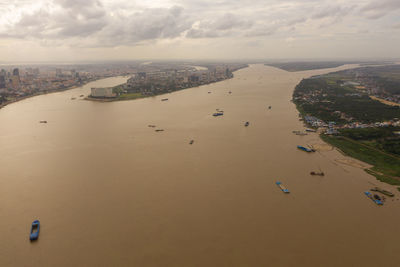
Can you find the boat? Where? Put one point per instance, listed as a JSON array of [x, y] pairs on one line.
[[151, 126], [269, 107], [159, 130], [42, 121], [305, 149], [284, 189], [230, 92], [311, 130], [73, 98], [164, 99], [209, 92], [35, 228], [370, 196], [216, 114], [385, 192], [246, 124], [191, 142], [81, 96], [317, 173]]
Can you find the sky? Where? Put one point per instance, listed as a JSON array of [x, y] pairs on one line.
[[98, 30]]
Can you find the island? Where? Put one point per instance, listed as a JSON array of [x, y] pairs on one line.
[[156, 80]]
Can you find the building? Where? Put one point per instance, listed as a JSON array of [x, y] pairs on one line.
[[16, 72], [102, 92], [59, 73], [2, 82], [15, 82]]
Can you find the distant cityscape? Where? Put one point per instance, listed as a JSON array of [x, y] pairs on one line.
[[146, 78], [150, 81]]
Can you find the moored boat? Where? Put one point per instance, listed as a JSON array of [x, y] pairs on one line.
[[191, 142], [35, 228], [246, 124], [164, 99], [385, 192], [216, 114], [43, 121], [317, 173], [370, 196], [305, 149], [311, 130]]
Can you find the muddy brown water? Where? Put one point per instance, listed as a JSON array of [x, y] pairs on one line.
[[110, 191]]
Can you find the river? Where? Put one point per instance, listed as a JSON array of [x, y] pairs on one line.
[[110, 191]]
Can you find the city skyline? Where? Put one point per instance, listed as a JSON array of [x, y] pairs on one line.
[[76, 30]]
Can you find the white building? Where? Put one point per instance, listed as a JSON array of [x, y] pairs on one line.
[[102, 92]]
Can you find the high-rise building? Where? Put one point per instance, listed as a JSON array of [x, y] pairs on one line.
[[2, 81], [16, 72]]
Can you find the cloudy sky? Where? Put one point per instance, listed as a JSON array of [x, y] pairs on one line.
[[77, 30]]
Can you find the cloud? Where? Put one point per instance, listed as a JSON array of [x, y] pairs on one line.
[[226, 25], [378, 8], [60, 19], [109, 23]]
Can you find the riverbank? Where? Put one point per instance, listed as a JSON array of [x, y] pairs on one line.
[[386, 167], [138, 95], [53, 91]]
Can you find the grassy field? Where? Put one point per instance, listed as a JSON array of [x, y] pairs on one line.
[[301, 66], [129, 96], [386, 166]]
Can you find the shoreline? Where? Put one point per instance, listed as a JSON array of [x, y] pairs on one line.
[[53, 91], [369, 161], [115, 99]]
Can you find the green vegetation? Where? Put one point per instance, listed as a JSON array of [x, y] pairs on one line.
[[301, 66], [387, 77], [129, 96], [327, 98], [382, 138], [386, 166]]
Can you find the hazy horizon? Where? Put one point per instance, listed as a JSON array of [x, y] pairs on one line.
[[104, 30]]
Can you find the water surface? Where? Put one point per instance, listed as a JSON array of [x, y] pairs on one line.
[[110, 191]]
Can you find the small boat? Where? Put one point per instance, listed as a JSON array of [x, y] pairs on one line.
[[152, 126], [377, 197], [311, 130], [209, 92], [246, 124], [317, 173], [370, 196], [230, 92], [385, 192], [159, 130], [191, 142], [164, 99], [305, 149], [284, 189], [73, 98], [81, 96], [42, 121], [35, 228], [269, 107], [216, 114]]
